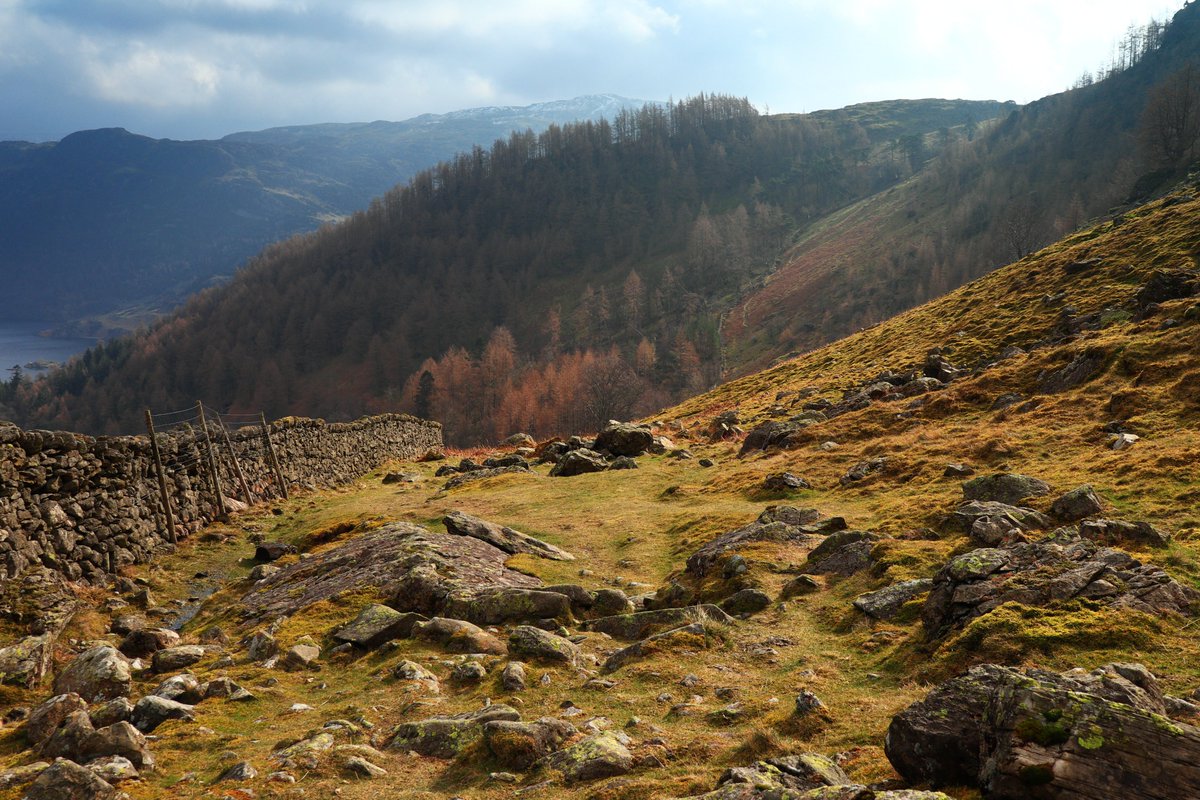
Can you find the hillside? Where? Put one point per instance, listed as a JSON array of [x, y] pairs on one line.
[[587, 237], [893, 562], [1049, 167], [107, 219]]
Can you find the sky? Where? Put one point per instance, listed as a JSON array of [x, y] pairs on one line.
[[191, 69]]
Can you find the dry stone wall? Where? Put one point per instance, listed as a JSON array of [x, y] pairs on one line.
[[85, 506]]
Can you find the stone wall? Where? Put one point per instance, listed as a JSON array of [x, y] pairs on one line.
[[85, 506]]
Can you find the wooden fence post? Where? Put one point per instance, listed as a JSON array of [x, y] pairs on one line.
[[274, 458], [162, 478], [237, 467], [212, 462]]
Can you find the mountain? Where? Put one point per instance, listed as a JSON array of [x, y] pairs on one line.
[[949, 557], [589, 240], [107, 219]]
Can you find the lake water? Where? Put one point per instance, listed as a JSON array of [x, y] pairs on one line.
[[20, 344]]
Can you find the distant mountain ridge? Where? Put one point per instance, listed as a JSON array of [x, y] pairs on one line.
[[106, 219]]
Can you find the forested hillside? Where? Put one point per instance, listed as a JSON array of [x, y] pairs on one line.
[[616, 244]]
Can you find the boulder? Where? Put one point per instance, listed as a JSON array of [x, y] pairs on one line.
[[482, 473], [639, 625], [784, 482], [538, 645], [1108, 531], [377, 624], [746, 601], [26, 663], [261, 646], [1025, 519], [468, 672], [118, 739], [863, 470], [100, 673], [69, 738], [110, 713], [184, 687], [152, 711], [457, 636], [887, 602], [114, 769], [272, 551], [842, 553], [446, 737], [506, 539], [783, 777], [791, 526], [578, 462], [300, 656], [691, 635], [1165, 285], [171, 659], [304, 754], [500, 606], [147, 641], [1018, 734], [1039, 573], [609, 602], [241, 771], [1005, 487], [1077, 504], [603, 755], [517, 745], [47, 717], [625, 439], [412, 671], [18, 776], [1083, 367], [65, 780], [513, 678]]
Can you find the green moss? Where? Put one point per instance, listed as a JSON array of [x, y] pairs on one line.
[[1036, 775], [1045, 732]]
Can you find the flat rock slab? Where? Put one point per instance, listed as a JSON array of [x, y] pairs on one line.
[[446, 737], [1004, 487], [506, 539], [377, 624], [776, 524], [693, 634], [603, 755], [419, 567]]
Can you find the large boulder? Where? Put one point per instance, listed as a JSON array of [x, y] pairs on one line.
[[842, 553], [377, 624], [65, 780], [1034, 734], [1039, 573], [603, 755], [27, 662], [499, 606], [118, 739], [506, 539], [458, 636], [1004, 487], [886, 603], [100, 673], [535, 644], [516, 745], [152, 711], [1077, 504], [578, 462], [147, 641], [625, 439], [446, 737], [47, 717], [175, 658]]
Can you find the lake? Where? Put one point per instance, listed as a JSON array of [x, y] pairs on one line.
[[20, 344]]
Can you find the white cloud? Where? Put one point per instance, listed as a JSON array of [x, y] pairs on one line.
[[154, 78]]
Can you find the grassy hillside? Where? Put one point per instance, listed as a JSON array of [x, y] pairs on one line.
[[1084, 297]]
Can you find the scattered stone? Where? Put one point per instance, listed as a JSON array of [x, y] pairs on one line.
[[958, 471], [578, 462], [504, 605], [272, 551], [412, 671], [241, 771], [1077, 504], [693, 634], [1026, 519], [1008, 488], [808, 703], [300, 657], [304, 753], [639, 625], [116, 710], [623, 462], [886, 603], [47, 717], [152, 711], [784, 524], [518, 745], [1107, 531], [377, 624], [119, 739], [603, 755], [458, 636], [625, 439], [400, 477], [147, 641], [746, 601], [513, 677], [1083, 368], [799, 585], [506, 539], [261, 646], [65, 780], [27, 662], [785, 482], [538, 645], [361, 767], [262, 571], [807, 776], [842, 553], [446, 737], [100, 673], [863, 470], [180, 657], [468, 672], [1123, 441]]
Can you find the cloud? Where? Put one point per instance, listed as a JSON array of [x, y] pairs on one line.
[[201, 68]]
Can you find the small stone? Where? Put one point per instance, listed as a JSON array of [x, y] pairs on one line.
[[359, 766], [241, 771], [1123, 441], [513, 677], [469, 672], [808, 703]]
